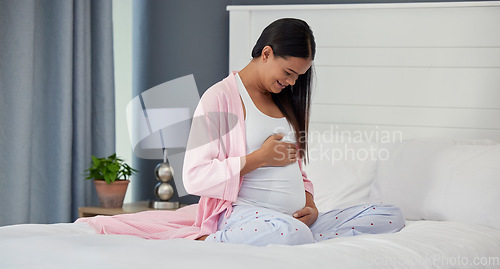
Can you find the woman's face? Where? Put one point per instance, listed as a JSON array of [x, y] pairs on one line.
[[280, 72]]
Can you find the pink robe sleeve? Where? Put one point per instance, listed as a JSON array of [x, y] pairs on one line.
[[308, 186], [209, 170]]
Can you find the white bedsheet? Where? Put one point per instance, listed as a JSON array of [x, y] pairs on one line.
[[421, 244]]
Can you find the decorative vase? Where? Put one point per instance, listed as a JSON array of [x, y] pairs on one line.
[[111, 195]]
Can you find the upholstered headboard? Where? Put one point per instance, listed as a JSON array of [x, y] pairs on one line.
[[409, 70]]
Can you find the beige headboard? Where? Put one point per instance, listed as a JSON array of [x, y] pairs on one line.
[[412, 69]]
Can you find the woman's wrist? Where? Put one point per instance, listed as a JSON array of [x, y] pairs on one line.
[[258, 156], [251, 162], [310, 201]]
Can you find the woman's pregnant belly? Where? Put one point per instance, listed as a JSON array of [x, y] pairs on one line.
[[277, 188]]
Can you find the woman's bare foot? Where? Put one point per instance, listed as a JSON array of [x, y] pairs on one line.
[[202, 238]]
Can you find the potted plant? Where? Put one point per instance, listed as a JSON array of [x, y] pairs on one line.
[[111, 178]]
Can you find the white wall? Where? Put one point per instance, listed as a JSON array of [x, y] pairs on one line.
[[416, 69], [122, 36]]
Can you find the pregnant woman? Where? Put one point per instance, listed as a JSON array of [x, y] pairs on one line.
[[247, 146]]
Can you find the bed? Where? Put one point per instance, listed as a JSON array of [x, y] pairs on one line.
[[406, 111], [448, 190]]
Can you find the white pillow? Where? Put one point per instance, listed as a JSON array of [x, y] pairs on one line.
[[341, 171], [442, 179]]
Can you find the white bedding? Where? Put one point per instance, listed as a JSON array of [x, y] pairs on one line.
[[421, 244]]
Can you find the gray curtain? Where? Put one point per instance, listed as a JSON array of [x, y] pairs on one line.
[[56, 105]]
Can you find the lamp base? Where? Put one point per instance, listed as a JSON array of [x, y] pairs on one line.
[[163, 204]]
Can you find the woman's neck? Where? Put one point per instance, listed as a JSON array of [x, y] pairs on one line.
[[249, 75]]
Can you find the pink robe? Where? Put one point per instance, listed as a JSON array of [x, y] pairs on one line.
[[211, 170]]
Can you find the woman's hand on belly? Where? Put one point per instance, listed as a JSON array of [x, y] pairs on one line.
[[309, 213], [278, 153], [273, 152]]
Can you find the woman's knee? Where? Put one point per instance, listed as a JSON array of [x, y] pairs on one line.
[[391, 216], [397, 217], [292, 233]]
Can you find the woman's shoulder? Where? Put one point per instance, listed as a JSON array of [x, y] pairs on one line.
[[224, 89]]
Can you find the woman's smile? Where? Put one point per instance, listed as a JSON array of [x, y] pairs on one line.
[[281, 85]]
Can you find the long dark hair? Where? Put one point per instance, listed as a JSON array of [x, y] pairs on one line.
[[292, 38]]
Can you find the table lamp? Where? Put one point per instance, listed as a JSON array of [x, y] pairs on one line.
[[160, 119]]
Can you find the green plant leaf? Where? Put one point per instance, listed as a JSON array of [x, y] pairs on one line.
[[109, 169]]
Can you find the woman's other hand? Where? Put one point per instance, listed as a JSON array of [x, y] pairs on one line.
[[309, 213]]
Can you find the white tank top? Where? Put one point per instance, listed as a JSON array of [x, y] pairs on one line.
[[277, 188]]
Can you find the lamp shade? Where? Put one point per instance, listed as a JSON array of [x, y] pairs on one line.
[[173, 125], [160, 118], [164, 128], [164, 120]]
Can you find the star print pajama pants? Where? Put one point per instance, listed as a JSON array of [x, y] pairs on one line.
[[261, 226]]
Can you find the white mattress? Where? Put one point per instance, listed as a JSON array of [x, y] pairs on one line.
[[421, 244]]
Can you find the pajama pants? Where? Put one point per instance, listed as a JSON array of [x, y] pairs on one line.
[[261, 226]]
